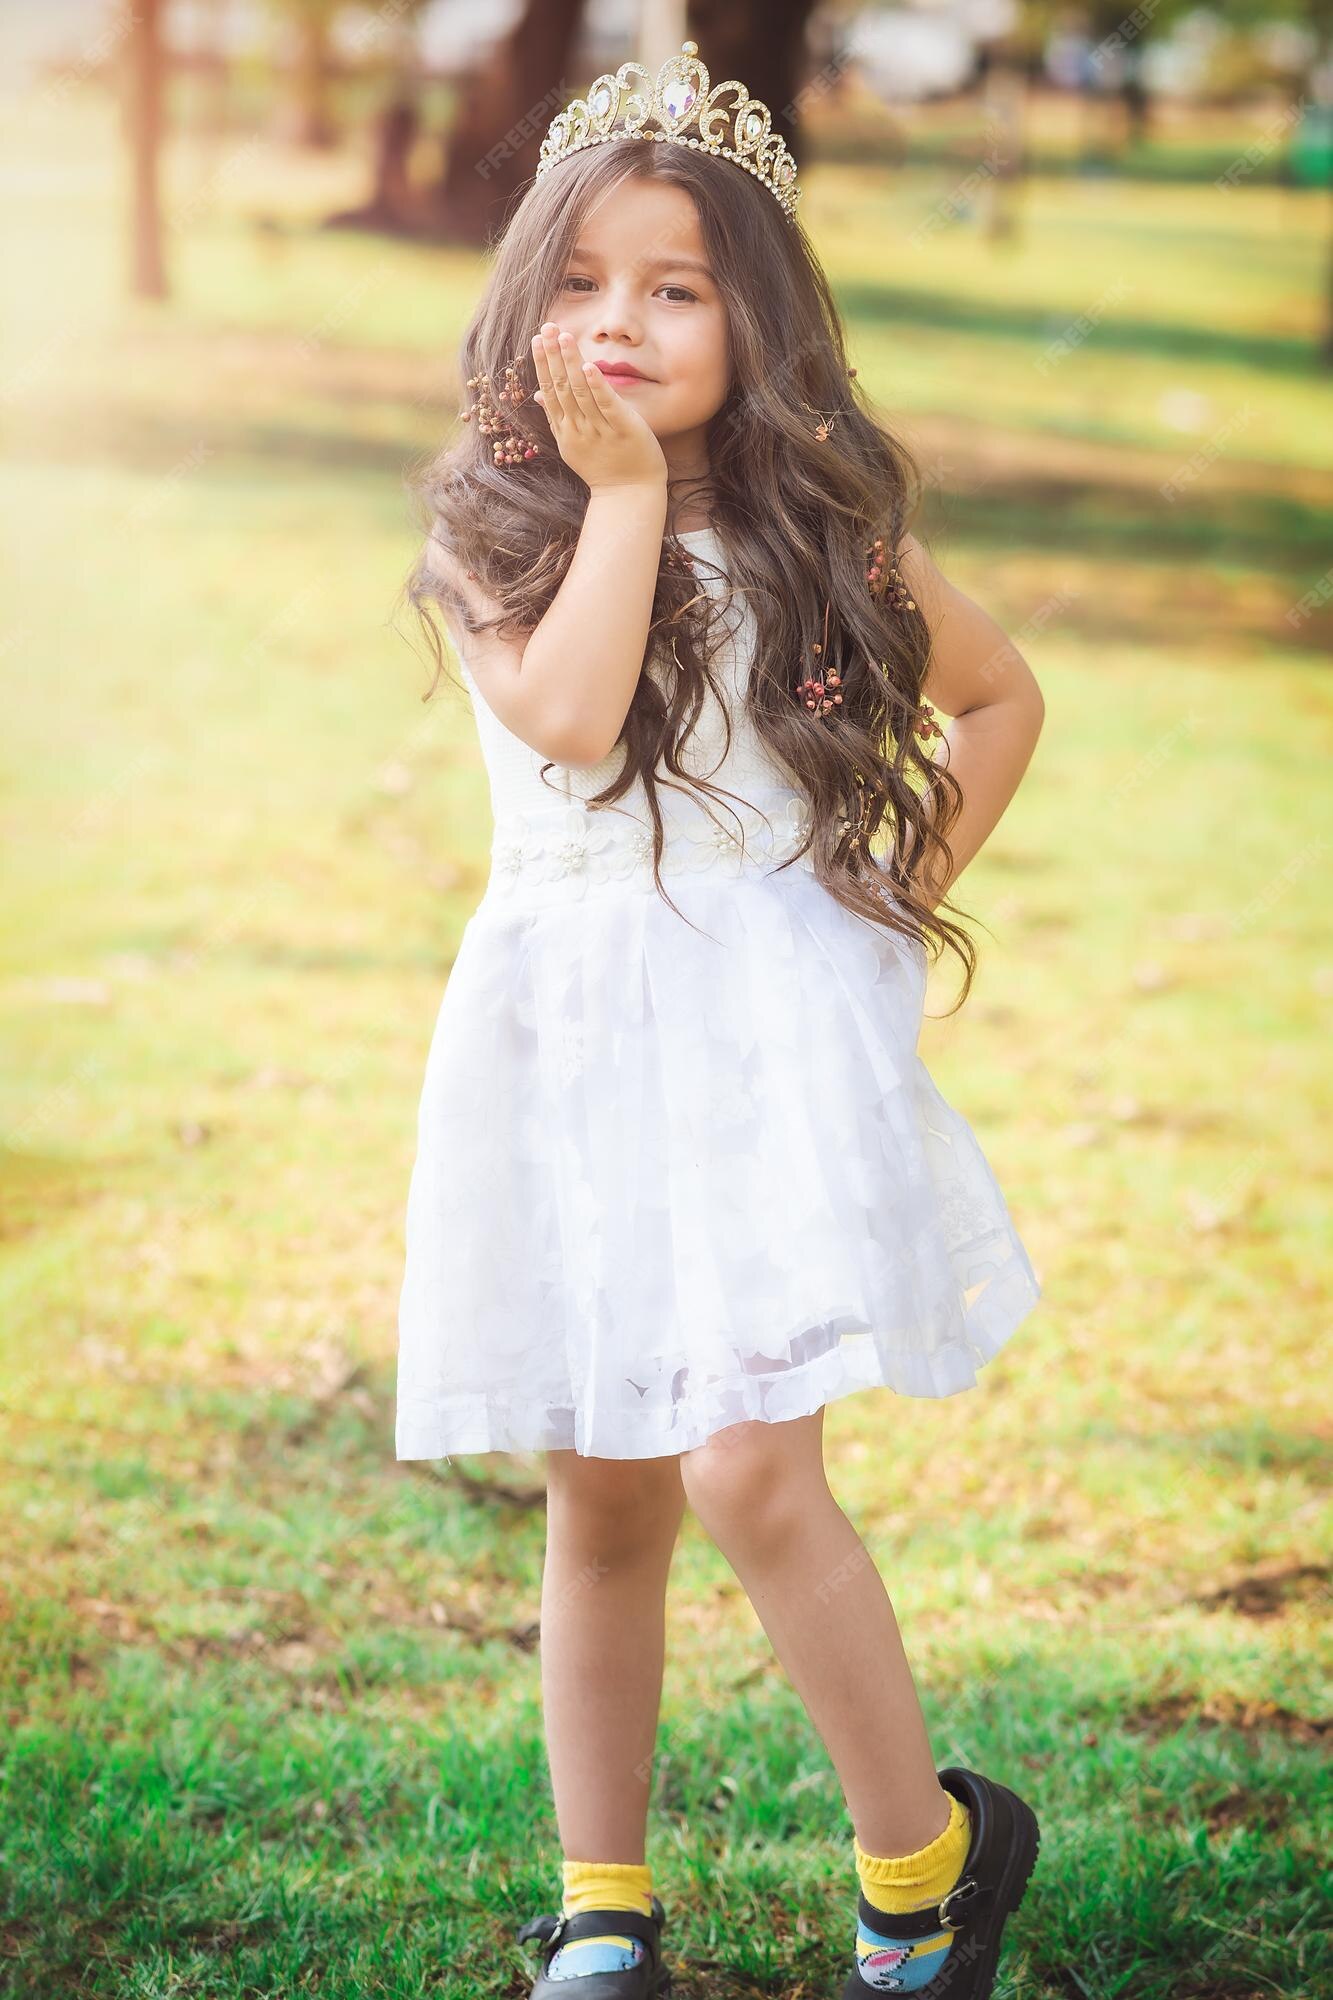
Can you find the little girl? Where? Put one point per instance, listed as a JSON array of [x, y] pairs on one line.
[[682, 1179]]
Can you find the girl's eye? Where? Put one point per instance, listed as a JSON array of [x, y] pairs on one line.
[[682, 289]]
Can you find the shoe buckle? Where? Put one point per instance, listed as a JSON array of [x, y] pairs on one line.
[[964, 1891], [544, 1927]]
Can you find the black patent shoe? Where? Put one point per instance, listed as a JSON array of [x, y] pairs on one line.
[[644, 1979], [1000, 1858]]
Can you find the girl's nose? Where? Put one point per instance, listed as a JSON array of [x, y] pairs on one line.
[[615, 321]]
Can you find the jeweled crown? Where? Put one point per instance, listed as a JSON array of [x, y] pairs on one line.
[[677, 106]]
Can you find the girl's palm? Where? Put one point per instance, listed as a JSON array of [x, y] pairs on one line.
[[597, 431]]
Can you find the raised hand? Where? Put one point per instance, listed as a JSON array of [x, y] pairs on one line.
[[597, 431]]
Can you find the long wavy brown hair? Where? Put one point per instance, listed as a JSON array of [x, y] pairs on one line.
[[797, 517]]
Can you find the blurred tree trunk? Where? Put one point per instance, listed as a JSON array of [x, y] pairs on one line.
[[209, 122], [393, 205], [662, 29], [762, 44], [503, 110], [312, 123], [306, 118], [1137, 100], [216, 116], [396, 130], [142, 125], [1004, 109], [506, 106]]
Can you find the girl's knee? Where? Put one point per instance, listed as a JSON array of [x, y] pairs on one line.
[[754, 1479], [613, 1499]]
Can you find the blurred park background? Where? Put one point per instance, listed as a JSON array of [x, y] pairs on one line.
[[271, 1704]]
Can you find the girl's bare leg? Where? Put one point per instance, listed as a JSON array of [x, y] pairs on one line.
[[760, 1491], [610, 1531]]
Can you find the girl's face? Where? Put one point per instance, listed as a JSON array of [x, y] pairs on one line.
[[638, 294]]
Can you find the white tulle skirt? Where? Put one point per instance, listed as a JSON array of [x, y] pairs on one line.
[[670, 1178]]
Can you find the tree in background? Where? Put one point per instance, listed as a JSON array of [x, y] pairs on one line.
[[394, 205], [503, 108], [309, 120], [506, 105], [138, 27]]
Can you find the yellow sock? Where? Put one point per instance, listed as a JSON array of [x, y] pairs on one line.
[[607, 1885], [898, 1882]]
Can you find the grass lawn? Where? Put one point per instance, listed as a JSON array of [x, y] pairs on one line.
[[272, 1697]]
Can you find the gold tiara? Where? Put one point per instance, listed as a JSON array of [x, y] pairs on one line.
[[677, 106]]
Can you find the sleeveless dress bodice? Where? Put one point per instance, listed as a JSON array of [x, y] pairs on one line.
[[679, 1163], [549, 845]]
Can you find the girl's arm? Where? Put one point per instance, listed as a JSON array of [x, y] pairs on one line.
[[977, 676], [565, 688]]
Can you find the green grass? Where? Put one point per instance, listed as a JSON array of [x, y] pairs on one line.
[[272, 1697]]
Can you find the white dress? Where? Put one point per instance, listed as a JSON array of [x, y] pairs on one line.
[[671, 1178]]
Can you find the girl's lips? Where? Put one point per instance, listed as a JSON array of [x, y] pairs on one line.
[[621, 374]]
